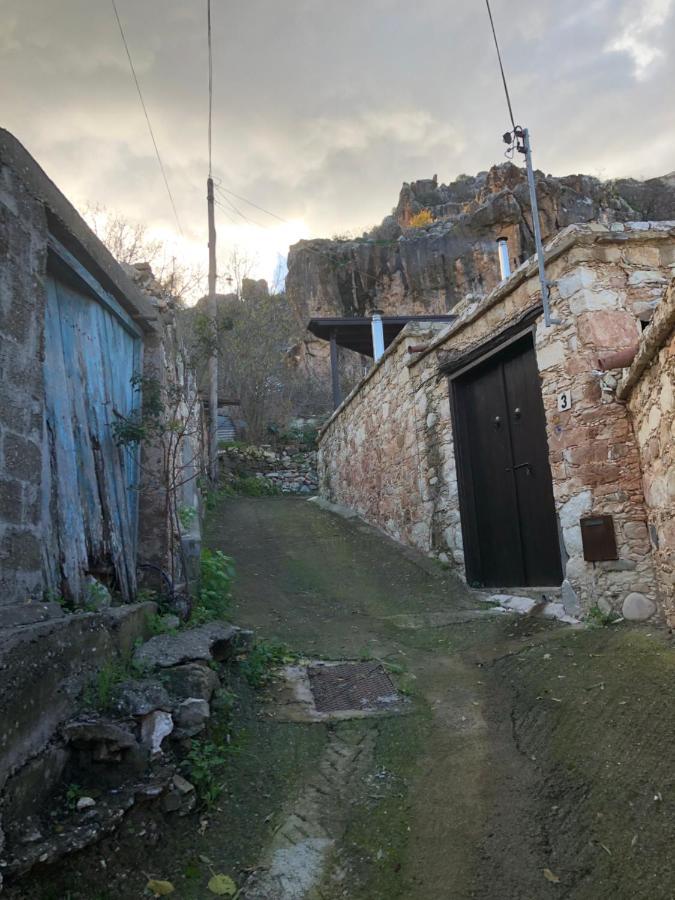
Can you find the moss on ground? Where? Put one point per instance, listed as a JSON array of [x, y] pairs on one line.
[[268, 760], [595, 713]]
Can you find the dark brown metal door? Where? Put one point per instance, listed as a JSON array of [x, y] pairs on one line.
[[506, 493]]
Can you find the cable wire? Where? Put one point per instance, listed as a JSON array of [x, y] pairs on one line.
[[501, 66], [147, 117], [254, 205], [208, 28]]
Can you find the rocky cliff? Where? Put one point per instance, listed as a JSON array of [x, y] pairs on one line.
[[401, 268]]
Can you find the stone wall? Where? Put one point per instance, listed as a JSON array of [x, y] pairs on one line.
[[291, 470], [369, 456], [397, 468], [650, 392], [23, 256]]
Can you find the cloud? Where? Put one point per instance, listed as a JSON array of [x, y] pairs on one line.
[[640, 33], [322, 111]]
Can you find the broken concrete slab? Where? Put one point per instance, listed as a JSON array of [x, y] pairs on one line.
[[214, 641], [527, 606], [444, 617], [292, 698]]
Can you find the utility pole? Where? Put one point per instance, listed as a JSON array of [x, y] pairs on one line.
[[213, 322], [520, 140]]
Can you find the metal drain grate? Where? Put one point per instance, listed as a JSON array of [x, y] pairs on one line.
[[351, 686]]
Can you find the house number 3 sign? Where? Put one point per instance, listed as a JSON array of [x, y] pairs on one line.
[[565, 401]]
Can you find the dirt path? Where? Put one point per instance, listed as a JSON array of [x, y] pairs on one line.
[[464, 797], [532, 760]]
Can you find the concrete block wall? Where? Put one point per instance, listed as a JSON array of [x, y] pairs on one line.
[[23, 250]]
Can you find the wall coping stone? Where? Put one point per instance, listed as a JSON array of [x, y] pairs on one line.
[[69, 227]]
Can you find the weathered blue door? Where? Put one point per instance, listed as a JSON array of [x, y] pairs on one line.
[[90, 485]]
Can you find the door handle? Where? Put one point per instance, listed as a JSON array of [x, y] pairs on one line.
[[525, 465]]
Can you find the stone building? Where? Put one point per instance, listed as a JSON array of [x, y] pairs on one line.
[[75, 330], [517, 453], [77, 509]]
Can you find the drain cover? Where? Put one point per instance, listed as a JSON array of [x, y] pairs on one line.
[[351, 686]]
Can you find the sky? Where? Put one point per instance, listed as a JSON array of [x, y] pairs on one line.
[[323, 109]]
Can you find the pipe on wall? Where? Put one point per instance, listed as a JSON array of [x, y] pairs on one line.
[[377, 331], [504, 261]]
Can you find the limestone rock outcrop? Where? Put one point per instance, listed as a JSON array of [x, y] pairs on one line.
[[403, 269]]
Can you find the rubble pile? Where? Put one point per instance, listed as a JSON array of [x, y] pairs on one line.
[[125, 746]]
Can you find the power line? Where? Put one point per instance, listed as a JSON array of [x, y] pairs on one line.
[[322, 253], [254, 205], [147, 117], [238, 211], [225, 210], [208, 28], [501, 66]]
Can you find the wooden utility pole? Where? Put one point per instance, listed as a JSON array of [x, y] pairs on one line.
[[213, 322]]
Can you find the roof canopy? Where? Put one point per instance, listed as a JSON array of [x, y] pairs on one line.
[[355, 333]]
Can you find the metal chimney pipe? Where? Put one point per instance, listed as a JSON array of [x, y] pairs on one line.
[[377, 332], [504, 261]]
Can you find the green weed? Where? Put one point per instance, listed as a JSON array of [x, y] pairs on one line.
[[186, 516], [215, 590], [263, 658], [204, 766], [599, 618], [100, 692]]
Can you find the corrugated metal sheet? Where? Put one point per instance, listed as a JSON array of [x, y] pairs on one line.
[[90, 486]]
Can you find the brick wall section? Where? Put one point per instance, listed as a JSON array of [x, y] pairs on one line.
[[23, 236], [605, 280], [650, 392]]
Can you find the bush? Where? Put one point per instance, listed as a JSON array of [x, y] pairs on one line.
[[421, 219]]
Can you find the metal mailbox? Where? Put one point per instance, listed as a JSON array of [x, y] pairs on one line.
[[598, 538]]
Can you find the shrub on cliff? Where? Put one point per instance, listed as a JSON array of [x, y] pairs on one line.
[[421, 219]]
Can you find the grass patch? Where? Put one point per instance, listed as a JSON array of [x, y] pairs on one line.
[[249, 486]]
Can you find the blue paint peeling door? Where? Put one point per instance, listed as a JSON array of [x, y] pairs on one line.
[[90, 485]]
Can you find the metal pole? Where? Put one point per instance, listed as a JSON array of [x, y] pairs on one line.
[[545, 293], [334, 371], [213, 357]]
